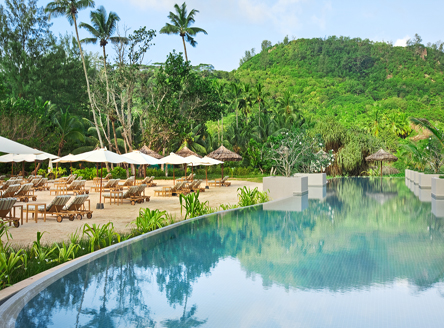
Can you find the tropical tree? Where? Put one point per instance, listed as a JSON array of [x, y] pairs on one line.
[[68, 127], [102, 28], [70, 9], [237, 100], [181, 24], [248, 100], [259, 98]]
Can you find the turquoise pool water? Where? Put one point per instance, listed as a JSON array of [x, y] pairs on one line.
[[360, 253]]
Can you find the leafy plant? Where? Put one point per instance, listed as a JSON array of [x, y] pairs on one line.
[[66, 253], [40, 252], [149, 220], [100, 236], [4, 233], [9, 263], [192, 205], [248, 197], [74, 237]]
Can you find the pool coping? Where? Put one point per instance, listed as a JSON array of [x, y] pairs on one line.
[[11, 308]]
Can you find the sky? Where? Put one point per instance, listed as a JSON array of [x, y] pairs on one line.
[[235, 26]]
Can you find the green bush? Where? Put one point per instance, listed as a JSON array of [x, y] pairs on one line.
[[154, 172], [118, 173], [88, 173]]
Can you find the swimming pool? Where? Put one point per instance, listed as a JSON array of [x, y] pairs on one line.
[[359, 253]]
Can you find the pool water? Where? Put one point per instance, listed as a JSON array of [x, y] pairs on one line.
[[360, 253]]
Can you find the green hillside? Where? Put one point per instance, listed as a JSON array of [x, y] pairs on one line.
[[370, 88], [352, 78]]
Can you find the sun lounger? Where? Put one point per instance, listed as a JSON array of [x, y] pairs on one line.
[[110, 185], [6, 205], [130, 194], [65, 189], [76, 208], [108, 176], [167, 191], [220, 182], [42, 185], [197, 186], [10, 191], [190, 177], [139, 195], [54, 208], [128, 182], [178, 188], [25, 193], [7, 184]]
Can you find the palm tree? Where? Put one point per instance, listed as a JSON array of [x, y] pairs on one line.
[[286, 104], [181, 25], [68, 127], [237, 99], [259, 96], [103, 27], [70, 9], [248, 100]]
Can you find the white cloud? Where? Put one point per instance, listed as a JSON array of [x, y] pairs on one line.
[[402, 42], [321, 20], [280, 14]]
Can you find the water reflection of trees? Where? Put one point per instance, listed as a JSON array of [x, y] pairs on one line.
[[348, 241]]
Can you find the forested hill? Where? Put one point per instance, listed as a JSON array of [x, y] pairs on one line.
[[351, 78]]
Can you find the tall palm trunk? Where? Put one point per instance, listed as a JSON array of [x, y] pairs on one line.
[[106, 75], [87, 82], [107, 100], [184, 47]]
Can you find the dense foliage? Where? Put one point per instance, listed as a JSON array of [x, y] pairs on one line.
[[355, 95]]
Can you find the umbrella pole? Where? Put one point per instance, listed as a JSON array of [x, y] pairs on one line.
[[222, 172], [100, 205], [12, 169], [57, 169], [35, 168], [381, 169], [174, 177], [23, 168], [144, 171], [206, 175]]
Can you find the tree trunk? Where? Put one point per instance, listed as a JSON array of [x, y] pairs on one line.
[[185, 48], [106, 76], [87, 82], [115, 138]]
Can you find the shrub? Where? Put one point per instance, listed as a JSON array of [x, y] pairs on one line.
[[88, 173], [248, 197], [193, 207], [119, 173], [149, 220]]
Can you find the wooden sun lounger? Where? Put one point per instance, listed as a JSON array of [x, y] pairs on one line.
[[133, 194], [54, 208], [76, 208], [6, 216], [10, 191], [25, 193]]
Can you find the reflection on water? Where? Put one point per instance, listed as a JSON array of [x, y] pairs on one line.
[[368, 253]]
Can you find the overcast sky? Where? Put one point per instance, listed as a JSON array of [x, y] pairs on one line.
[[234, 26]]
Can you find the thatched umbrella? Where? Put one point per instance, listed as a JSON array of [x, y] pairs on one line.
[[224, 155], [145, 150], [150, 152], [382, 156], [185, 152]]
